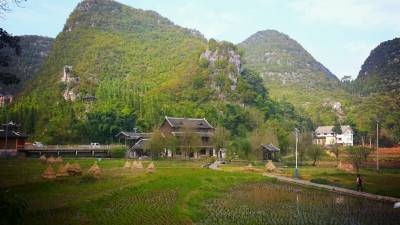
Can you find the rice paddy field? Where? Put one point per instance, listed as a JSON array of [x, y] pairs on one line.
[[180, 192]]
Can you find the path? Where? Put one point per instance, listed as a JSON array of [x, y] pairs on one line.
[[214, 166]]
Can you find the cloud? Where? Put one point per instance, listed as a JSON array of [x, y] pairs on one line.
[[360, 46], [351, 13], [186, 8], [210, 30], [232, 17], [210, 15]]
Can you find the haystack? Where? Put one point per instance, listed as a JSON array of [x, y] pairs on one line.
[[67, 165], [49, 173], [51, 160], [59, 160], [42, 160], [139, 165], [249, 168], [134, 165], [151, 168], [95, 171], [328, 152], [74, 169], [127, 165], [62, 172], [270, 166], [332, 155], [345, 166]]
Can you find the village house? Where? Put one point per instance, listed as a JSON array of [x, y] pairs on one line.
[[5, 99], [325, 136], [179, 128], [15, 139]]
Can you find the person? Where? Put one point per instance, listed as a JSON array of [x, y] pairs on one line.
[[359, 183]]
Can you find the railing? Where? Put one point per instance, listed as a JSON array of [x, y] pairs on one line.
[[68, 147]]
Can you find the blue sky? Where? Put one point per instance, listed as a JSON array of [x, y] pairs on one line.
[[340, 33]]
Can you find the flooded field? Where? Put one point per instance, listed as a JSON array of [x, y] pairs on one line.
[[282, 203]]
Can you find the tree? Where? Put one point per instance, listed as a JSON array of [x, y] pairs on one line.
[[304, 144], [356, 157], [172, 144], [337, 129], [335, 150], [155, 144], [245, 146], [220, 138], [8, 41], [365, 151], [315, 152]]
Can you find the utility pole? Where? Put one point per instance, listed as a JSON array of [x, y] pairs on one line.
[[5, 148], [377, 146], [297, 131]]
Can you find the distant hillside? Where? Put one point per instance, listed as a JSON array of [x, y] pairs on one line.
[[34, 51], [141, 67], [381, 70]]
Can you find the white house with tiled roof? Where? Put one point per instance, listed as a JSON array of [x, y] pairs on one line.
[[325, 136]]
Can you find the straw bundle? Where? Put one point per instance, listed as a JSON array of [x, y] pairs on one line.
[[328, 152], [249, 168], [42, 160], [49, 173], [127, 165], [134, 165], [151, 168], [74, 169], [66, 166], [270, 166], [62, 172], [51, 160], [332, 155], [95, 171], [59, 160], [345, 166], [139, 165]]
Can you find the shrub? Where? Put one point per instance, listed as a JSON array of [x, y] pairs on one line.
[[320, 181], [118, 151], [87, 179]]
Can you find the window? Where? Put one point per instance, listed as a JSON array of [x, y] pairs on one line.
[[333, 133], [340, 139], [318, 134], [325, 133]]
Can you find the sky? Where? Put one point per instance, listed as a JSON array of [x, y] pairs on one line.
[[338, 33]]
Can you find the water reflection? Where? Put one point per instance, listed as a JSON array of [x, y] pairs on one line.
[[282, 203]]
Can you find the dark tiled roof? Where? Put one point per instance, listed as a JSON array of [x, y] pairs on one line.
[[12, 134], [270, 147], [140, 144], [132, 135], [195, 123], [328, 129], [89, 97], [199, 134]]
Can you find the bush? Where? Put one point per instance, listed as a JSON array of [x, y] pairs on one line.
[[118, 151], [320, 181]]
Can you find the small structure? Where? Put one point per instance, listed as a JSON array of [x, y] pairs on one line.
[[15, 139], [127, 165], [345, 166], [59, 160], [51, 160], [87, 101], [42, 160], [62, 172], [4, 99], [95, 171], [268, 150], [325, 136], [249, 168], [270, 166], [49, 174], [151, 168]]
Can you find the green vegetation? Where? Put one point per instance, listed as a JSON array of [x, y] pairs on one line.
[[118, 151], [34, 52]]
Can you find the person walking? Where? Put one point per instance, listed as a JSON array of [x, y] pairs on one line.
[[359, 183]]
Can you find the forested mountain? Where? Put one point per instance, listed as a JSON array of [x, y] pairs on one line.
[[142, 67], [288, 69], [381, 70], [34, 51]]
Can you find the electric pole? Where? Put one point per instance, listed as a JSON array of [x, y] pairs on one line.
[[377, 145]]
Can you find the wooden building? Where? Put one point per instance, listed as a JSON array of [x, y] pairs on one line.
[[268, 150], [15, 139]]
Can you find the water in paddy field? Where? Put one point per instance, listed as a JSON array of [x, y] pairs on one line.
[[282, 203]]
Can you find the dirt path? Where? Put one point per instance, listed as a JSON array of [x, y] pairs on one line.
[[214, 166]]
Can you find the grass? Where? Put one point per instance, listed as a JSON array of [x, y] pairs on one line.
[[171, 196]]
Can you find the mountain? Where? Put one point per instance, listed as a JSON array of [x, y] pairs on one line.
[[141, 67], [34, 52], [381, 70]]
